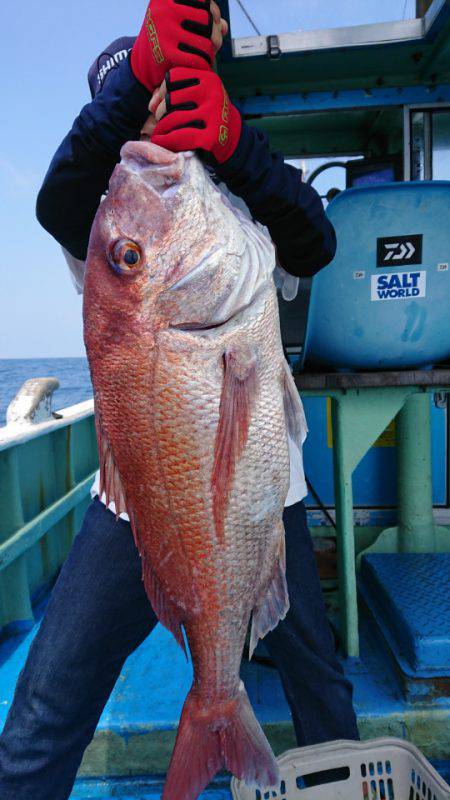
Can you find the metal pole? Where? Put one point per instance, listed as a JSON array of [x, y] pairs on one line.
[[415, 497], [343, 493]]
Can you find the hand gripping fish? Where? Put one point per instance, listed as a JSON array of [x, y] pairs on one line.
[[193, 400]]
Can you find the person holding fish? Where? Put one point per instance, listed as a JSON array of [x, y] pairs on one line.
[[200, 428]]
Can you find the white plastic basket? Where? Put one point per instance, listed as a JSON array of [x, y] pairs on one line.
[[380, 769]]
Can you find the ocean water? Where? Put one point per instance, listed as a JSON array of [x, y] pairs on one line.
[[72, 373]]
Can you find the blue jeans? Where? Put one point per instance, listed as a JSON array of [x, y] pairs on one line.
[[99, 613]]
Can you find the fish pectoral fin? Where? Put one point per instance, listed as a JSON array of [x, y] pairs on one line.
[[239, 389], [166, 611], [293, 408], [274, 602], [110, 483]]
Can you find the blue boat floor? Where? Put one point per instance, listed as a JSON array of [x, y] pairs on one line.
[[138, 789]]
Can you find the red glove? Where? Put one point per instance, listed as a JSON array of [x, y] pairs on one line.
[[173, 32], [198, 115]]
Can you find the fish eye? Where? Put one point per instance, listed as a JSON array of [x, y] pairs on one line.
[[125, 257]]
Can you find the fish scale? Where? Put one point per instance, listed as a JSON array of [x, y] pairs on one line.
[[193, 399]]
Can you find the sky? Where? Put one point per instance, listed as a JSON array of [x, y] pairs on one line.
[[46, 53]]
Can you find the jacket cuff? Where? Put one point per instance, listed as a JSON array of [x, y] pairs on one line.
[[233, 166]]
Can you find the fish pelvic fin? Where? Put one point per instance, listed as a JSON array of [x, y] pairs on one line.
[[293, 408], [274, 602], [226, 735], [239, 389], [110, 483]]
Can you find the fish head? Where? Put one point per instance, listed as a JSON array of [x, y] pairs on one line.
[[165, 247]]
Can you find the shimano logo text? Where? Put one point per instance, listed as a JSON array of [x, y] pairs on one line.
[[110, 63]]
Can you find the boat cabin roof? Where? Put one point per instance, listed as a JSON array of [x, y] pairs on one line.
[[403, 53], [364, 74]]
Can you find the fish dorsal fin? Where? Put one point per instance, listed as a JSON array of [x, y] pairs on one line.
[[110, 483], [273, 603], [293, 408], [239, 389]]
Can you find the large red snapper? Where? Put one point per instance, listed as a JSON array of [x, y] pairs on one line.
[[192, 400]]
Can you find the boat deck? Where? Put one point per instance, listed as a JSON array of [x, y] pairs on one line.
[[140, 789], [135, 736]]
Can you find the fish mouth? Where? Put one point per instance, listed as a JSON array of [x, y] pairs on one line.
[[190, 276], [148, 154], [156, 166], [200, 328]]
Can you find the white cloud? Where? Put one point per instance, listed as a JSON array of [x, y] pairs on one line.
[[18, 179]]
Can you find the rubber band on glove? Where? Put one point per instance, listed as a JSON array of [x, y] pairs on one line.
[[194, 112], [176, 32]]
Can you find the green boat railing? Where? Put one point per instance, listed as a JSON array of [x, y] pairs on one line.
[[47, 467]]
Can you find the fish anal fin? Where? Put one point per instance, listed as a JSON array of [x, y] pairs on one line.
[[293, 408], [273, 604], [166, 611], [239, 389], [110, 483]]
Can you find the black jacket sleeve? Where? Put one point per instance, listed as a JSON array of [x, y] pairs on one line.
[[278, 198], [81, 167]]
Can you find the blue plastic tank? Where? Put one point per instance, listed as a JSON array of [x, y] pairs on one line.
[[384, 301]]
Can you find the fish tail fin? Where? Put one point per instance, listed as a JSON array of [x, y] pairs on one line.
[[246, 752], [223, 735]]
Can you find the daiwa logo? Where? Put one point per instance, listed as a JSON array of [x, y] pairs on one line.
[[399, 286], [394, 251]]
